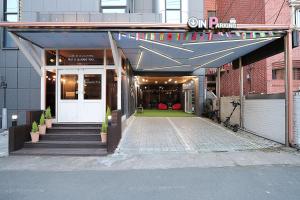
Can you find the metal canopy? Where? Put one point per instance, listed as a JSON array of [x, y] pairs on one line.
[[155, 55]]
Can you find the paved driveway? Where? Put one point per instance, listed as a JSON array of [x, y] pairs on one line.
[[190, 134]]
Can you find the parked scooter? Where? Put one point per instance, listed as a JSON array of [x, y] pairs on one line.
[[234, 127]]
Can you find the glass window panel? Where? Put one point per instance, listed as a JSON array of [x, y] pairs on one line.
[[50, 56], [11, 17], [113, 10], [109, 57], [173, 16], [92, 86], [12, 6], [173, 4], [69, 86], [81, 57], [7, 40], [113, 3]]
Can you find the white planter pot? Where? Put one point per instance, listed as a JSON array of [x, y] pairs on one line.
[[48, 123], [35, 137], [42, 129], [104, 137]]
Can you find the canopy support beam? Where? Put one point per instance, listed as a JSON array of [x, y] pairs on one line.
[[117, 61], [30, 55], [289, 135], [241, 93]]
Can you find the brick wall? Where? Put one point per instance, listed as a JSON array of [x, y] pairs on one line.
[[255, 12], [209, 5]]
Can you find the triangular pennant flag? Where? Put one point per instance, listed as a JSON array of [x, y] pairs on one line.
[[146, 36], [178, 36], [202, 35], [271, 33], [194, 36], [228, 35], [244, 35], [210, 36], [238, 34], [221, 34], [170, 36], [253, 35], [186, 36], [120, 36], [137, 36], [152, 36], [161, 36], [262, 34]]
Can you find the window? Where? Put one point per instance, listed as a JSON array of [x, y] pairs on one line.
[[278, 74], [173, 11], [297, 16], [114, 6], [81, 57], [92, 86], [211, 13], [69, 87], [296, 73], [11, 14]]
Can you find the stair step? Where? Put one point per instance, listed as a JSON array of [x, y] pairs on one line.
[[65, 144], [71, 137], [95, 130], [60, 152], [76, 125]]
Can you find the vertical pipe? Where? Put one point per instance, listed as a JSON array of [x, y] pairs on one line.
[[289, 135], [219, 91], [241, 93]]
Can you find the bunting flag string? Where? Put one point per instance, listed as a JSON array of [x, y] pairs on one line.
[[197, 36]]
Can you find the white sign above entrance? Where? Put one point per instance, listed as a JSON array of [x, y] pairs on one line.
[[211, 23]]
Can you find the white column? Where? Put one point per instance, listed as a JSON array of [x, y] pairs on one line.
[[43, 90], [118, 65]]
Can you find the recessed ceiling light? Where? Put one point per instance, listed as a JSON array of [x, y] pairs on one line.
[[156, 82], [143, 80], [146, 80], [166, 82], [175, 81], [140, 59], [170, 80]]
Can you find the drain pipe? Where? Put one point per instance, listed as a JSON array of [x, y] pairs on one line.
[[241, 93]]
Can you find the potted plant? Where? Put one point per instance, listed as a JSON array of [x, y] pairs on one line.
[[42, 126], [34, 133], [104, 127], [48, 117]]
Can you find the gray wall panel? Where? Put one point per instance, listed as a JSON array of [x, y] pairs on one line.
[[24, 99], [12, 98], [12, 77], [35, 99], [22, 60], [24, 78], [35, 79], [11, 58]]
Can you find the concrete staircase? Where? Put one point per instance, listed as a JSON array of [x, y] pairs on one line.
[[67, 140]]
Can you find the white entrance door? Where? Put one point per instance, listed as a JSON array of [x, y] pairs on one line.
[[81, 95]]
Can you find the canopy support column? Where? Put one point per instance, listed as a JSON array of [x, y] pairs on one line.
[[30, 55], [289, 135], [218, 91], [117, 61], [241, 93]]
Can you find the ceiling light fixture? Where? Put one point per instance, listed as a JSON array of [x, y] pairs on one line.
[[162, 55], [223, 41], [175, 81], [170, 80], [209, 54], [140, 59], [167, 45], [156, 82], [214, 60], [168, 67]]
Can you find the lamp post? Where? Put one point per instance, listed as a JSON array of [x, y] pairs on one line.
[[4, 109]]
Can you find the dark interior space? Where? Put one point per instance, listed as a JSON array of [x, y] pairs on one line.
[[50, 91]]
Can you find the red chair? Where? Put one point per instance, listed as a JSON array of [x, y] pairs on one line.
[[162, 106], [176, 106]]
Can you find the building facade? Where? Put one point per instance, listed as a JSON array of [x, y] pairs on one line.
[[265, 76], [25, 86]]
